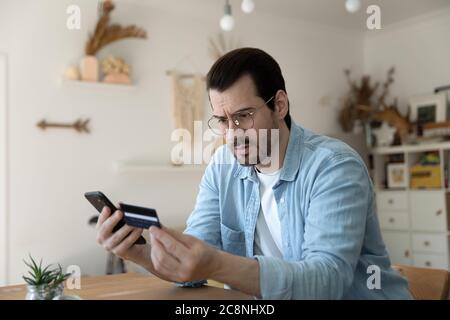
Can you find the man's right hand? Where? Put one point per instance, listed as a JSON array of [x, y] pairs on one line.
[[121, 242]]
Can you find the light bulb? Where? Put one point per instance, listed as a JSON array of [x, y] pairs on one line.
[[352, 5], [248, 6], [227, 21]]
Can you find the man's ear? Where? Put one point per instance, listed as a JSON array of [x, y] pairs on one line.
[[281, 103]]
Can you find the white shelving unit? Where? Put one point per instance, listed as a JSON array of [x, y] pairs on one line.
[[414, 222]]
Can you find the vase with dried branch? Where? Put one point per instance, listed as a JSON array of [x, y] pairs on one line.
[[361, 104], [105, 34], [359, 94]]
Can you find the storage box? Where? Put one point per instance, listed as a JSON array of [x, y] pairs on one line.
[[425, 176]]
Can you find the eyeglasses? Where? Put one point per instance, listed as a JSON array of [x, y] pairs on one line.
[[242, 119]]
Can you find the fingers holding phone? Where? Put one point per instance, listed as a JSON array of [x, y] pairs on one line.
[[120, 234], [106, 224], [100, 201], [107, 236], [122, 247], [115, 239], [104, 214], [111, 224], [121, 241]]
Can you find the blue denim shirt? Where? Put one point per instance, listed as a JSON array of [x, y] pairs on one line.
[[330, 230]]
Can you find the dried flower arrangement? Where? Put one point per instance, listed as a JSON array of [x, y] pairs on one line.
[[361, 105], [106, 33]]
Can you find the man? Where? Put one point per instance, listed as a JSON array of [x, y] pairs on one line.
[[296, 221]]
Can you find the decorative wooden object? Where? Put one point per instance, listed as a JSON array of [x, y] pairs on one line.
[[393, 117], [79, 125]]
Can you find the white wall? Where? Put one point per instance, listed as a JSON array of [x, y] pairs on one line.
[[418, 48], [50, 171], [3, 168]]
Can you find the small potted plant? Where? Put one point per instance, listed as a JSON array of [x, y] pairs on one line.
[[44, 283]]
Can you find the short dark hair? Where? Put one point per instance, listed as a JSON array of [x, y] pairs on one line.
[[260, 66]]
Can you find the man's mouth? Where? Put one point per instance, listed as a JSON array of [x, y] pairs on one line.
[[241, 150], [241, 147]]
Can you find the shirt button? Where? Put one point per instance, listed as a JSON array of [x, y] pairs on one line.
[[282, 200]]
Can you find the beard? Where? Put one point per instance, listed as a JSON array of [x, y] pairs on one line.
[[251, 151], [245, 152]]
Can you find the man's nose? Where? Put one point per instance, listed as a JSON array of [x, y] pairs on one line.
[[235, 136], [232, 124], [232, 134]]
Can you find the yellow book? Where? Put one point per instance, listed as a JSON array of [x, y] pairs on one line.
[[425, 176]]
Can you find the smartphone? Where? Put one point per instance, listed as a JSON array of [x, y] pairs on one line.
[[99, 201]]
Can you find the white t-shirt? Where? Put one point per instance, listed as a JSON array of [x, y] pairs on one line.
[[268, 227]]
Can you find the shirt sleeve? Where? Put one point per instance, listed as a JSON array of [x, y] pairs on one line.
[[334, 231], [204, 221]]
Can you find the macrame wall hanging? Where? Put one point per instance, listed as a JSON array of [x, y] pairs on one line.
[[189, 94]]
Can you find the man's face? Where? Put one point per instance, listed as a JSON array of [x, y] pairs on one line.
[[248, 146]]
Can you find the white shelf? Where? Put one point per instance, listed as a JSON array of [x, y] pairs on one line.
[[412, 148], [88, 84], [146, 166], [377, 189]]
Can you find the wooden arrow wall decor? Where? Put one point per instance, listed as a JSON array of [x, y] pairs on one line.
[[80, 125]]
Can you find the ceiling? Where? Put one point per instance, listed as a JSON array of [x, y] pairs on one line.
[[332, 12], [329, 12]]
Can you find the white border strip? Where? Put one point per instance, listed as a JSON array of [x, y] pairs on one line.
[[142, 217], [4, 175]]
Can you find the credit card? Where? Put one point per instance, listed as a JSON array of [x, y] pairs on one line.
[[139, 217]]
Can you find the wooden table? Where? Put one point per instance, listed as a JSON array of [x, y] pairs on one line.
[[133, 286]]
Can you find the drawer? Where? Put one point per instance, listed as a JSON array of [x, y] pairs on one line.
[[395, 220], [428, 211], [398, 247], [436, 261], [392, 200], [424, 242]]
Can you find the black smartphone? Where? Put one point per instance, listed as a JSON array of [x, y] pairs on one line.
[[99, 201]]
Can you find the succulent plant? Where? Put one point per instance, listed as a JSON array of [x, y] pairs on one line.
[[44, 276]]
